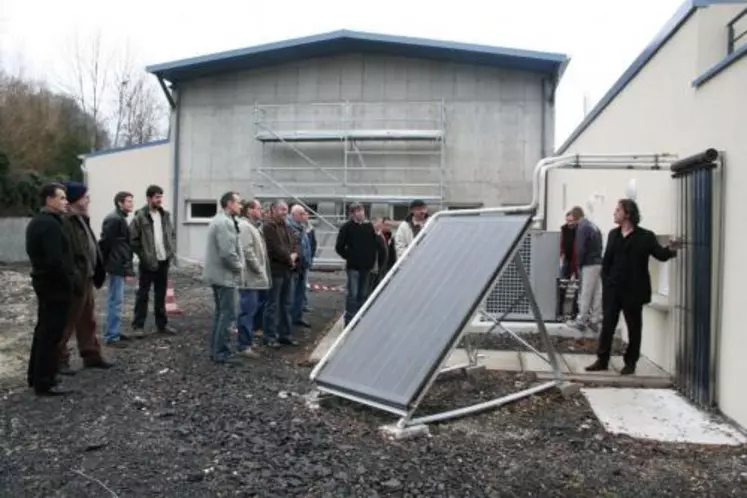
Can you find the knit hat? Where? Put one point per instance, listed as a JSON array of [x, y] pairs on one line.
[[75, 191]]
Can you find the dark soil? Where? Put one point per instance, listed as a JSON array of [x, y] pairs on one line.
[[168, 423], [562, 345]]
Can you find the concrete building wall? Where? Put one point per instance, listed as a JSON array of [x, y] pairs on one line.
[[493, 119], [13, 240], [661, 111], [131, 170]]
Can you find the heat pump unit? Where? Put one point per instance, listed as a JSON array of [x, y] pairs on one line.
[[540, 254]]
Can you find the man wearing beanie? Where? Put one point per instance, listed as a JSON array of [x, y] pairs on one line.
[[89, 273], [153, 242]]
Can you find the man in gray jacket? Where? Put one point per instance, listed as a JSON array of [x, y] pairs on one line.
[[589, 258], [256, 276], [224, 271]]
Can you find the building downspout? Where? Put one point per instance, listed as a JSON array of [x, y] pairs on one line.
[[176, 170], [543, 123]]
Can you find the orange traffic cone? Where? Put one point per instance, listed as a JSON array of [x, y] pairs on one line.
[[171, 307]]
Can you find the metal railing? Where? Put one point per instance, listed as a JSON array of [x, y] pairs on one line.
[[736, 30]]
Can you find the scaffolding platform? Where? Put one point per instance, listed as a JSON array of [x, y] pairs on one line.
[[342, 135]]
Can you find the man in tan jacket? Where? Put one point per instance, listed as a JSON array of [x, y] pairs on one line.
[[256, 275]]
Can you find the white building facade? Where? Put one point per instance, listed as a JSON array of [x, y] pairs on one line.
[[686, 93]]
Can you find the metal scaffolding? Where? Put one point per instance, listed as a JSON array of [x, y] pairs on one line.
[[337, 153]]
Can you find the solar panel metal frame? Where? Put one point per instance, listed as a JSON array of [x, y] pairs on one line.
[[422, 388]]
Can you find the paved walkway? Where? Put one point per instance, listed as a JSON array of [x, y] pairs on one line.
[[572, 365]]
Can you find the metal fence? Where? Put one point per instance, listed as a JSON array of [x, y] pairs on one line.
[[698, 274]]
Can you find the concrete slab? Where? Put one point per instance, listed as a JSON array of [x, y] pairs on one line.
[[577, 362], [492, 360], [660, 415], [644, 368], [399, 433], [611, 379], [329, 338], [530, 362]]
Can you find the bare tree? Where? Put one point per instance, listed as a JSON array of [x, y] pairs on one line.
[[91, 74], [137, 111]]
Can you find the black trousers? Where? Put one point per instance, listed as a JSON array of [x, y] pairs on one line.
[[51, 319], [159, 279], [612, 304]]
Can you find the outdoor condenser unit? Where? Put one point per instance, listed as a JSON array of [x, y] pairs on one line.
[[540, 254]]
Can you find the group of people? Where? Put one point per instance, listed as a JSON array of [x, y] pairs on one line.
[[260, 259], [613, 278], [369, 250], [257, 261], [68, 262]]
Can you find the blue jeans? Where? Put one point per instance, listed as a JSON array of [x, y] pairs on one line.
[[249, 302], [114, 301], [357, 292], [259, 316], [299, 295], [277, 309], [224, 316]]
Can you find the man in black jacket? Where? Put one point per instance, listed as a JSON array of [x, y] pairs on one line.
[[627, 283], [116, 249], [52, 276], [360, 247]]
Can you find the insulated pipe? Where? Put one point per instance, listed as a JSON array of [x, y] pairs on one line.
[[600, 162]]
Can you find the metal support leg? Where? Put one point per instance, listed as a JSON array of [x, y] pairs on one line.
[[551, 353]]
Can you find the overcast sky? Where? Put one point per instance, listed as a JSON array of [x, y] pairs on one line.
[[601, 36]]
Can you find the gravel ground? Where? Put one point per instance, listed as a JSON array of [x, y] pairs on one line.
[[563, 345], [168, 423]]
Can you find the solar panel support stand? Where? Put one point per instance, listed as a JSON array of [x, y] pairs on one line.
[[399, 430]]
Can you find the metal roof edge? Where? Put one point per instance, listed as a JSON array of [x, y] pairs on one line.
[[126, 148], [551, 57]]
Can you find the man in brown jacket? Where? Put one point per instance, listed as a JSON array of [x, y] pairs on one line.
[[89, 273], [283, 256]]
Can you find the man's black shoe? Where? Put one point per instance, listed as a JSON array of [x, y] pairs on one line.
[[287, 342], [597, 366], [628, 370], [100, 364], [66, 370], [53, 391]]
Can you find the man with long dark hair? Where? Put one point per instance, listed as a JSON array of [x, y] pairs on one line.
[[627, 283]]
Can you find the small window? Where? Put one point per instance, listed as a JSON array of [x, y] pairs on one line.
[[202, 210]]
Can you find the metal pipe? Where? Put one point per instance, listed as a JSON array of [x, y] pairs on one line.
[[486, 405]]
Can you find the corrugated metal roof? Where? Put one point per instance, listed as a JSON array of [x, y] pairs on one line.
[[344, 41], [391, 353]]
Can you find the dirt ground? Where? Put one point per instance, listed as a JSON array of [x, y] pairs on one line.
[[166, 422]]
